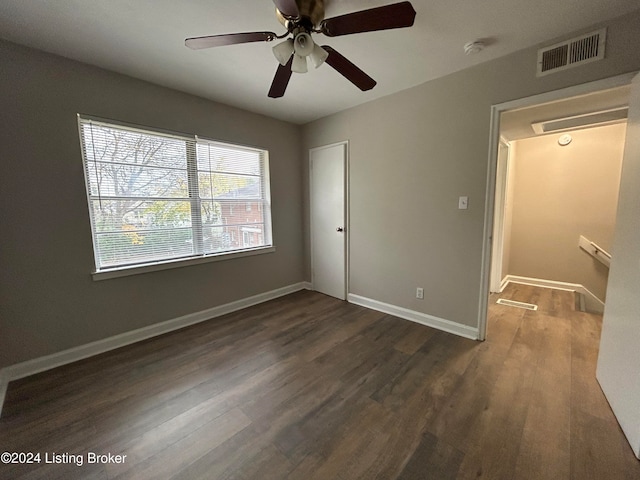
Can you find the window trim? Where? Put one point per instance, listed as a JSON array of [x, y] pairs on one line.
[[116, 272], [128, 270]]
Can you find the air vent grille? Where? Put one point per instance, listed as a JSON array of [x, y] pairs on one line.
[[584, 49], [571, 53], [513, 303], [554, 58]]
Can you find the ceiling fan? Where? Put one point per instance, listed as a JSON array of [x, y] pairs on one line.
[[301, 18]]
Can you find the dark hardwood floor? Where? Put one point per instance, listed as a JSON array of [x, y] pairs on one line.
[[309, 387]]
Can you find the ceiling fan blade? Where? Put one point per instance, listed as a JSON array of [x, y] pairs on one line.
[[348, 70], [397, 15], [288, 8], [281, 80], [197, 43]]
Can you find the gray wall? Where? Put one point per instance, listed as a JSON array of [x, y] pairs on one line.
[[561, 193], [48, 300], [413, 153]]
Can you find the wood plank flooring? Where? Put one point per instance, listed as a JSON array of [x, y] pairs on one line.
[[308, 387]]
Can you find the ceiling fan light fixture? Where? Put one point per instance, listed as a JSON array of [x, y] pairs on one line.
[[302, 18], [318, 56], [474, 47], [299, 64], [283, 51], [303, 44]]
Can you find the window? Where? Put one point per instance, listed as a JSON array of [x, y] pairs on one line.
[[158, 197], [246, 238]]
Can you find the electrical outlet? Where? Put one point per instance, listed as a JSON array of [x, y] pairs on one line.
[[420, 293]]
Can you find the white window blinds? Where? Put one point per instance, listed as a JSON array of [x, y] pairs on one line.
[[157, 197]]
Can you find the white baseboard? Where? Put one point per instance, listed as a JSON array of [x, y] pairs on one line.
[[418, 317], [37, 365], [594, 303]]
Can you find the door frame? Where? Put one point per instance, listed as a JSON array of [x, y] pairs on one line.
[[490, 192], [497, 253], [347, 223]]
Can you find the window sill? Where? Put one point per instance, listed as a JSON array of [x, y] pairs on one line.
[[154, 267]]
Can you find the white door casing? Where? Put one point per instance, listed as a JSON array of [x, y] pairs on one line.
[[327, 189], [496, 110], [502, 174]]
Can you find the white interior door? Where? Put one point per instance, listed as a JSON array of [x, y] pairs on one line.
[[619, 357], [327, 167]]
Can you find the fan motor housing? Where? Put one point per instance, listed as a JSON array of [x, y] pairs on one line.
[[311, 14]]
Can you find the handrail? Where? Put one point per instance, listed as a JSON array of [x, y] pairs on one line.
[[595, 251]]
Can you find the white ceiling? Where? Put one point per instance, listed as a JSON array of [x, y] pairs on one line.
[[145, 39]]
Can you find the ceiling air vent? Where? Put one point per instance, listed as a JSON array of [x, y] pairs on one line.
[[571, 53]]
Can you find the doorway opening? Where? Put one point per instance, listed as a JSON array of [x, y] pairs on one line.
[[534, 212]]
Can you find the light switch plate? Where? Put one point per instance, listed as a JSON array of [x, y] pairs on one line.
[[463, 203]]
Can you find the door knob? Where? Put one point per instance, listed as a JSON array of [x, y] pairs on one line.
[[339, 229]]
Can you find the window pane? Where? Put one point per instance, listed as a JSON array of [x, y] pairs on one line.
[[116, 180], [211, 212], [112, 144], [237, 237], [216, 185], [134, 246], [120, 215], [230, 212], [228, 159]]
